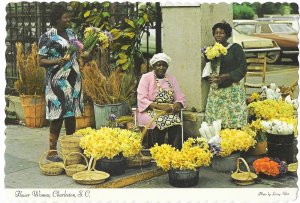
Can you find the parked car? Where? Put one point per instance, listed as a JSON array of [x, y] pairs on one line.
[[257, 46], [253, 46], [284, 35], [292, 20]]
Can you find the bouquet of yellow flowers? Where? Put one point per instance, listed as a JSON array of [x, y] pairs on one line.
[[212, 52], [94, 36], [232, 140], [194, 154], [110, 142], [269, 109]]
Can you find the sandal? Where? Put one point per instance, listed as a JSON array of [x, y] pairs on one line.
[[54, 158]]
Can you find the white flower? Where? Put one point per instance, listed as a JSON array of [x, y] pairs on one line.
[[273, 86]]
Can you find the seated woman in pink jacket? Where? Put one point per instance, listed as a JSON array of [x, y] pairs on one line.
[[157, 90]]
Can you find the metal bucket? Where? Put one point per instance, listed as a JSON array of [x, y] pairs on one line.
[[183, 178]]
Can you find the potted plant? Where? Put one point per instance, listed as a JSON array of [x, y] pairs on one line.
[[109, 93], [255, 128], [226, 148], [31, 85], [109, 146], [182, 165]]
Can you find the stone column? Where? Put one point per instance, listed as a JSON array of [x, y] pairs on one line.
[[186, 29]]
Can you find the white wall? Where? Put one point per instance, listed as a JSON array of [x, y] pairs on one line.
[[185, 31]]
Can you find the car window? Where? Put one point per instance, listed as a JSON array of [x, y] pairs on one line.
[[281, 28], [247, 29]]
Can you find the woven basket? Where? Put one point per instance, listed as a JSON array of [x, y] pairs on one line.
[[50, 168], [90, 176], [138, 161], [69, 144], [74, 168], [241, 177]]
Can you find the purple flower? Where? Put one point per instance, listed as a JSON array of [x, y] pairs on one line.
[[108, 34], [76, 43], [214, 149], [113, 117], [203, 50]]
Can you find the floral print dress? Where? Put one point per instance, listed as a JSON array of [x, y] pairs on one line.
[[165, 96], [63, 83], [229, 103]]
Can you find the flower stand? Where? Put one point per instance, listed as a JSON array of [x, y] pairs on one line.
[[183, 178], [115, 166], [225, 164], [281, 146]]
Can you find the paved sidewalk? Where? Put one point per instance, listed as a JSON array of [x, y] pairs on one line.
[[24, 146]]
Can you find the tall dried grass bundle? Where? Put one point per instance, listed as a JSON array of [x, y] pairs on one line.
[[31, 77], [115, 88]]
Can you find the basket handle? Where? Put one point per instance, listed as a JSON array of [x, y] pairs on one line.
[[65, 160], [238, 166], [42, 156]]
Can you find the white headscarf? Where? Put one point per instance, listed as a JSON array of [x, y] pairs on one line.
[[160, 57]]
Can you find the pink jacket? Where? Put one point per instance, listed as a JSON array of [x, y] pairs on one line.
[[146, 93]]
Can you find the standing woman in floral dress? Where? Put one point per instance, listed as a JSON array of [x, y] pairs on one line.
[[228, 101], [64, 99]]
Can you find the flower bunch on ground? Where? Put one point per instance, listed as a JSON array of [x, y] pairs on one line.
[[233, 140], [110, 142], [214, 51], [194, 154], [94, 36], [268, 109], [268, 166]]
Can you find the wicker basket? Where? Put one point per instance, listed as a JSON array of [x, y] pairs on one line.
[[241, 177], [90, 176], [69, 144], [74, 168], [50, 168], [138, 161]]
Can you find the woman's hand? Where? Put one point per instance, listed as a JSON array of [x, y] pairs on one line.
[[61, 61], [164, 107], [218, 79], [177, 107]]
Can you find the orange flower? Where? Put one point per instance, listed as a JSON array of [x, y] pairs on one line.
[[266, 166]]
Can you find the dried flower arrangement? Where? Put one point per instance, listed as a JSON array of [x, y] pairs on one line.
[[115, 88], [31, 77]]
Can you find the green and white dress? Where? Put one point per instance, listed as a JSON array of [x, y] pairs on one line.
[[228, 101]]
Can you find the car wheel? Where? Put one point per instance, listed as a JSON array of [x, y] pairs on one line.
[[274, 58]]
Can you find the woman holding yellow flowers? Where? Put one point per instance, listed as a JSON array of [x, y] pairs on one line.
[[226, 100]]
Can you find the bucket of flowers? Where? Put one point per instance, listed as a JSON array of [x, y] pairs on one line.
[[281, 138], [269, 167], [182, 165], [110, 147], [226, 148]]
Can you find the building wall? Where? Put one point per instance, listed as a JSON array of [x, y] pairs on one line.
[[186, 29]]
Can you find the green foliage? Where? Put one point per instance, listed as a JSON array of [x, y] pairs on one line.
[[285, 10], [126, 32], [243, 11]]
